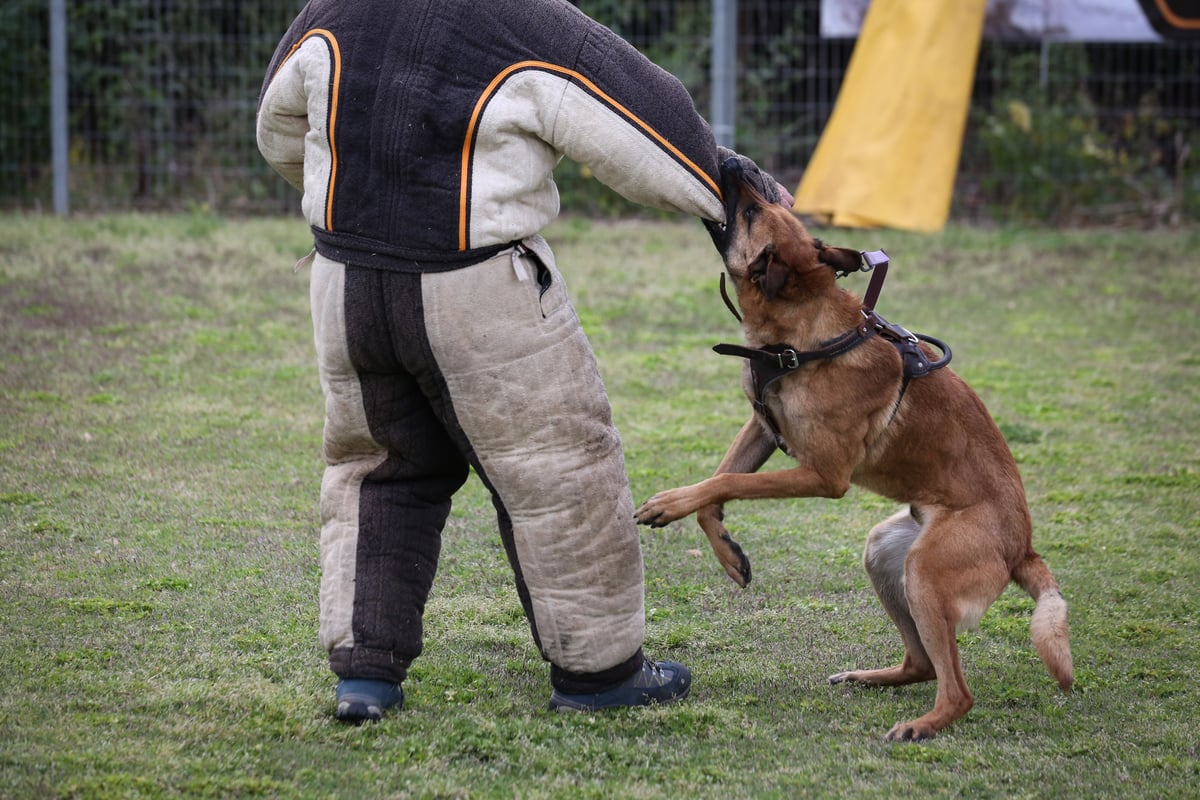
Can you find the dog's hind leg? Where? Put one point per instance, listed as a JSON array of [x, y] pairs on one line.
[[949, 581], [887, 548]]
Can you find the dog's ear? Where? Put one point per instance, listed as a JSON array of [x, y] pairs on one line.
[[842, 259], [770, 275]]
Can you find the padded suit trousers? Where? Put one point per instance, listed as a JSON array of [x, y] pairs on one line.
[[427, 373]]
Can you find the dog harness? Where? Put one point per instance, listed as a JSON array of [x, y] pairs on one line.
[[771, 362]]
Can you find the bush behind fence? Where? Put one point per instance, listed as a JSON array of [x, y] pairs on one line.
[[162, 96]]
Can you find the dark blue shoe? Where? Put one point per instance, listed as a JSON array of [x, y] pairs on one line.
[[365, 700], [655, 682]]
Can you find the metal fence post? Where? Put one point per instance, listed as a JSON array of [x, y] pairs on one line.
[[724, 70], [58, 103]]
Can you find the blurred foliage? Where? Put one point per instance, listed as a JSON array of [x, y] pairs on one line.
[[1056, 152], [24, 95], [158, 89]]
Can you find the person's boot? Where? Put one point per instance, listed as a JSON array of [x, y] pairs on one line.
[[361, 700], [655, 682]]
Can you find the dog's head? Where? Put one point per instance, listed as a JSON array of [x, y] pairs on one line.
[[767, 249]]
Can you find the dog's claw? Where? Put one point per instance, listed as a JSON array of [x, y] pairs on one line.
[[908, 732], [649, 520]]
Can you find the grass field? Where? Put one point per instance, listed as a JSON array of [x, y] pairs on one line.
[[159, 467]]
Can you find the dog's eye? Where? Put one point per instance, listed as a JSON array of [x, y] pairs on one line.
[[750, 213]]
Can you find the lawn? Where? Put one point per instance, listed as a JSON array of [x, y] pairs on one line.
[[159, 468]]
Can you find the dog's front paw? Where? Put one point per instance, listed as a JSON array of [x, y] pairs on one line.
[[649, 513], [662, 509], [734, 560], [729, 553]]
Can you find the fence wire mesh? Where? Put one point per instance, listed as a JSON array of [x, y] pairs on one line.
[[162, 96]]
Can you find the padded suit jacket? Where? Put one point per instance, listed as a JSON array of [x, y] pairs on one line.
[[423, 133]]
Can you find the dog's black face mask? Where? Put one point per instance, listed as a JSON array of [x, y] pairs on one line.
[[736, 170]]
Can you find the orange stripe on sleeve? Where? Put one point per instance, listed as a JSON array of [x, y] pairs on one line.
[[469, 141], [336, 53]]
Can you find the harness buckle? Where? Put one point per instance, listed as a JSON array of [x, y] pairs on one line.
[[897, 333], [789, 360]]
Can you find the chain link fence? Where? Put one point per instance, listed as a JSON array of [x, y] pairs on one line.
[[162, 96]]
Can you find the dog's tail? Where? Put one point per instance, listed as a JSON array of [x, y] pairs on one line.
[[1049, 626]]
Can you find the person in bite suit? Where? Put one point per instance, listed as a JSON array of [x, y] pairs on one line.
[[423, 135]]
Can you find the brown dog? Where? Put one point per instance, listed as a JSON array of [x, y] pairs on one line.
[[855, 417]]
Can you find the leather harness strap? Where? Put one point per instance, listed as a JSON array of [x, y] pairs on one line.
[[773, 361]]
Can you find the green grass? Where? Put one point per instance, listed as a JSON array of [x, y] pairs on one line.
[[159, 467]]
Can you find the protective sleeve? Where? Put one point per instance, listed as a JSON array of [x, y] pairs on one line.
[[636, 127]]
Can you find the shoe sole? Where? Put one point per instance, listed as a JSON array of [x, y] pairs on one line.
[[358, 711], [566, 706]]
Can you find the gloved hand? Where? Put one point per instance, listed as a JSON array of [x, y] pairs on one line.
[[735, 166], [767, 186]]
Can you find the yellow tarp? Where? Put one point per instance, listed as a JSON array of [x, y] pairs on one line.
[[890, 151]]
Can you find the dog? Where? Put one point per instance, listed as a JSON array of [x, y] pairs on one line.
[[922, 439]]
